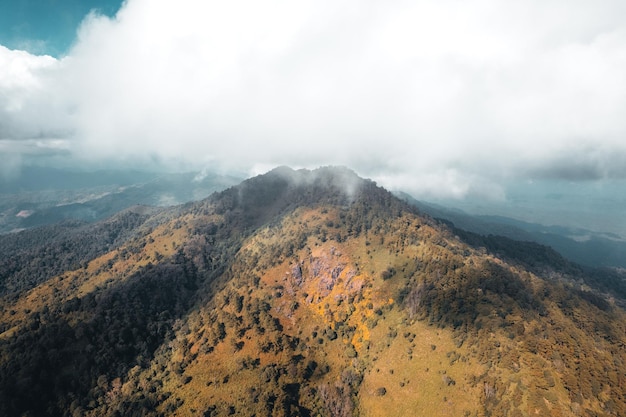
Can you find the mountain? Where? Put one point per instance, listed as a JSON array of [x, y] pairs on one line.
[[302, 293], [576, 244]]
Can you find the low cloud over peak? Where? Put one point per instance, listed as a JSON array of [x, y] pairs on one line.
[[435, 97]]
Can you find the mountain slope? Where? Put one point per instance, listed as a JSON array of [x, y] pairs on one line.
[[311, 293]]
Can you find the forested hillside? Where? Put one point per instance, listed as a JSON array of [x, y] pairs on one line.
[[302, 293]]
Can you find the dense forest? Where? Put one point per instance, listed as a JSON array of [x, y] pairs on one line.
[[302, 293]]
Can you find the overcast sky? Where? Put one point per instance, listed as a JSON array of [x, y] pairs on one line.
[[448, 98]]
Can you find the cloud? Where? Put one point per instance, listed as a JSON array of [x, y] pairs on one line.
[[582, 163], [443, 97], [19, 80]]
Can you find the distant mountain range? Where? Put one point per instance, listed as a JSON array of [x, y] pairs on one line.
[[302, 293], [41, 196], [578, 245]]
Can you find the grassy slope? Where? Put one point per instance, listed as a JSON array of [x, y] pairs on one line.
[[509, 358]]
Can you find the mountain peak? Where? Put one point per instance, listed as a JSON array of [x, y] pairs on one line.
[[266, 195], [334, 176]]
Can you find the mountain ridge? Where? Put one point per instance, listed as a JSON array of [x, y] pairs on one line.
[[303, 293]]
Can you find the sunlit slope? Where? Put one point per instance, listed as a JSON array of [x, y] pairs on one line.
[[305, 293]]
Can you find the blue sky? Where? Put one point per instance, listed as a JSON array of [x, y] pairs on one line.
[[47, 26]]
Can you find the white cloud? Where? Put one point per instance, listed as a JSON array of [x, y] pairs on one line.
[[23, 79], [439, 97]]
